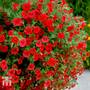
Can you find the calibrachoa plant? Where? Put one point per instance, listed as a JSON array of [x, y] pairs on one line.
[[42, 46]]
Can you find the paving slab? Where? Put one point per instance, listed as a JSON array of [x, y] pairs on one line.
[[83, 81]]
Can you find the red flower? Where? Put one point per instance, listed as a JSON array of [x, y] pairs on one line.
[[38, 74], [20, 60], [71, 10], [15, 40], [4, 48], [17, 22], [15, 79], [71, 35], [14, 51], [34, 14], [50, 7], [50, 28], [32, 51], [18, 71], [23, 42], [2, 38], [43, 17], [52, 62], [37, 71], [31, 14], [63, 19], [24, 15], [60, 26], [3, 65], [55, 17], [36, 56], [81, 45], [11, 72], [31, 66], [42, 48], [50, 73], [61, 35], [83, 24], [49, 47], [40, 1], [39, 43], [28, 30], [10, 32], [70, 28], [48, 23], [39, 6], [45, 39], [36, 29], [63, 2], [47, 83], [29, 40], [26, 53], [15, 6], [26, 6]]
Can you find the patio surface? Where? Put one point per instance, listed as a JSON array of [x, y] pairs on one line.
[[83, 82]]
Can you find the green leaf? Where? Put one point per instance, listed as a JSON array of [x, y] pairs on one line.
[[43, 71]]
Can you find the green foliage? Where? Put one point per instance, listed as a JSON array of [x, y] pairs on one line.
[[87, 62], [6, 5], [81, 7]]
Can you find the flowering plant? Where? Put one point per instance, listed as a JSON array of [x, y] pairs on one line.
[[42, 46]]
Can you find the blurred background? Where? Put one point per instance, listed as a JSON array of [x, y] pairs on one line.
[[82, 8]]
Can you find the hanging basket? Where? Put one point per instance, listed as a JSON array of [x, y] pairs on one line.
[[42, 45]]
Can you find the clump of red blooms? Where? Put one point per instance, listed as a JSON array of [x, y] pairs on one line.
[[44, 48]]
